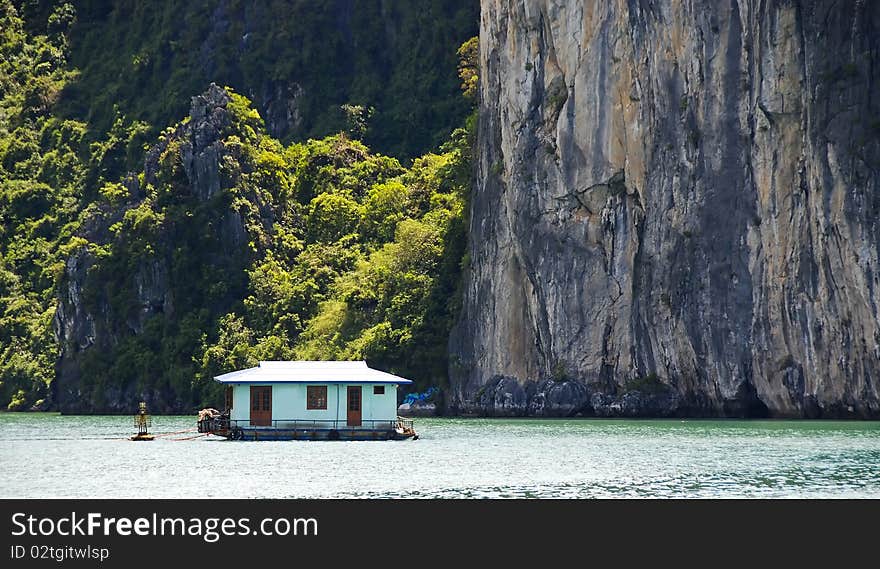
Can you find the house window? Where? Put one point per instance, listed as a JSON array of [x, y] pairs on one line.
[[316, 397], [378, 390], [229, 398]]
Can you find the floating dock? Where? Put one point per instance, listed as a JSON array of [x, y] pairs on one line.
[[307, 430]]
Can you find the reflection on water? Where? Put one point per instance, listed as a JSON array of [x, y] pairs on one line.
[[47, 455]]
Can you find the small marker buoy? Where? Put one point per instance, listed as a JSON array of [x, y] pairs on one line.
[[142, 422]]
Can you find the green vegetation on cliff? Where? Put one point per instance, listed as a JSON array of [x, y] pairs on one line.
[[298, 60], [316, 250], [48, 166], [170, 259], [370, 272]]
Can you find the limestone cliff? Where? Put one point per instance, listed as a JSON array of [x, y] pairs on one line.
[[675, 212]]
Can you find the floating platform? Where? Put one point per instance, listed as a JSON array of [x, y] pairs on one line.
[[257, 434], [308, 430], [141, 437]]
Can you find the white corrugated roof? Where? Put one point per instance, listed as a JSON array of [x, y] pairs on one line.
[[310, 372]]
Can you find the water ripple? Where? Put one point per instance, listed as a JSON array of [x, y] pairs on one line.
[[47, 455]]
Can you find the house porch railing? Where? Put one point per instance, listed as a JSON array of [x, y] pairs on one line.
[[224, 423]]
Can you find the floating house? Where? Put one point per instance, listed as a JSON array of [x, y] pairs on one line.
[[309, 400]]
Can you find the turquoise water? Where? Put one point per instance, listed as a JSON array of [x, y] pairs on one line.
[[49, 456]]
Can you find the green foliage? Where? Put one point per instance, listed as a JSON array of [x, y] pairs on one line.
[[41, 172], [375, 268], [559, 372], [303, 58], [320, 249], [246, 121], [114, 193], [649, 384], [396, 307], [362, 259], [469, 67], [331, 216], [385, 206], [356, 118]]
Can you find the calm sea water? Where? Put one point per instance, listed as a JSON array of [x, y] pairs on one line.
[[48, 456]]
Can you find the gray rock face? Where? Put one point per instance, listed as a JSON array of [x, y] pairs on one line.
[[282, 108], [676, 211]]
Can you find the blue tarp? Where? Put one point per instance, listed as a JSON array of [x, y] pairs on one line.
[[420, 397]]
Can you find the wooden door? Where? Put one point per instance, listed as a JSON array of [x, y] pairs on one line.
[[229, 398], [261, 406], [354, 406]]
